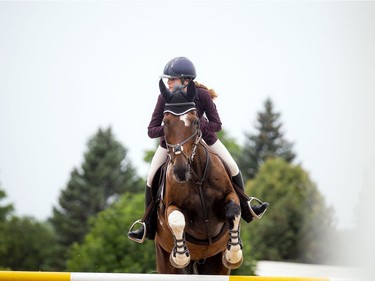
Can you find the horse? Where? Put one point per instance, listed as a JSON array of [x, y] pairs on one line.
[[198, 225]]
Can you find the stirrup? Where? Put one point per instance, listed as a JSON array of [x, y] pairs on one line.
[[251, 208], [144, 232]]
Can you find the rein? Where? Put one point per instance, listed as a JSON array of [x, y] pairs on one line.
[[201, 195], [177, 149]]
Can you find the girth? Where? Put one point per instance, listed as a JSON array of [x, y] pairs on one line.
[[207, 241]]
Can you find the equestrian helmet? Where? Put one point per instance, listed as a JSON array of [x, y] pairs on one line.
[[180, 67]]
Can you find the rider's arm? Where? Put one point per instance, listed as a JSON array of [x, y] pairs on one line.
[[155, 128]]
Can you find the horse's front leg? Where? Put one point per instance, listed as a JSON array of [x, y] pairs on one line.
[[232, 257], [180, 256]]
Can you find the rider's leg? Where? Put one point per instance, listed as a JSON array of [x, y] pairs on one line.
[[246, 208], [137, 235], [246, 214], [158, 160]]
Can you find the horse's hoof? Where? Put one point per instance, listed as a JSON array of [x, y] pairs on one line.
[[176, 265], [230, 265]]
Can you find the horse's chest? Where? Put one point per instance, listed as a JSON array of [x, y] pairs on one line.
[[192, 202]]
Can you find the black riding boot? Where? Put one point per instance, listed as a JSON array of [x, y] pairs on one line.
[[149, 221], [246, 213]]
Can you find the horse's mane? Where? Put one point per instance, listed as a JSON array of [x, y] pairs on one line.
[[212, 92]]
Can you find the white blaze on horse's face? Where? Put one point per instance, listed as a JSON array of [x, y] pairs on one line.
[[185, 118]]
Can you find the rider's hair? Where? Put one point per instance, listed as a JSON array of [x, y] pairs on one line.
[[212, 92]]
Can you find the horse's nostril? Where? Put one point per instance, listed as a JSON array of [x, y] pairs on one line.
[[181, 172]]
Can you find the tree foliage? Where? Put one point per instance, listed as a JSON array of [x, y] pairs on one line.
[[106, 247], [105, 174], [298, 220], [26, 244], [268, 142], [231, 144], [104, 196], [5, 209]]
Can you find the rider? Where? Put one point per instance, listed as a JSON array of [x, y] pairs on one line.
[[179, 72]]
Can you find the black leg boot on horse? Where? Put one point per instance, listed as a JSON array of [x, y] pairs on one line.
[[248, 211], [148, 223]]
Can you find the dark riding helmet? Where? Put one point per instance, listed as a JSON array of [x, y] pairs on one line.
[[179, 67]]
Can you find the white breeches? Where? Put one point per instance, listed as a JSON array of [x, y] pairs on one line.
[[219, 148], [159, 159], [161, 155]]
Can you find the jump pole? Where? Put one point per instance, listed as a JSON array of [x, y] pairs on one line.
[[83, 276]]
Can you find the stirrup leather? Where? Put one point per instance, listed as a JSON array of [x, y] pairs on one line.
[[251, 208], [144, 232]]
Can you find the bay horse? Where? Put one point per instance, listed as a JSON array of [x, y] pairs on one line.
[[198, 226]]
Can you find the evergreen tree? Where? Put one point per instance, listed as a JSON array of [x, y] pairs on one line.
[[6, 209], [104, 175], [268, 142]]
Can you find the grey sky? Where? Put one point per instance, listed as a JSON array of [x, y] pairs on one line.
[[68, 68]]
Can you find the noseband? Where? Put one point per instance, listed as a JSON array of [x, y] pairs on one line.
[[176, 149]]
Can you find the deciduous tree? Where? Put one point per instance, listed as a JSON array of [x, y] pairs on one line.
[[298, 221], [106, 247], [26, 244]]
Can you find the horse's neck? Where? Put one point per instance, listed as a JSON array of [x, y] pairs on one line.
[[205, 154]]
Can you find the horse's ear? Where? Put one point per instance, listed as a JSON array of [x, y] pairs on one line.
[[167, 95], [191, 90]]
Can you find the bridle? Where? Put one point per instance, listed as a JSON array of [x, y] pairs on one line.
[[176, 149]]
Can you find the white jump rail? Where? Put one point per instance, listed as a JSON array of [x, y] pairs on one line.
[[83, 276]]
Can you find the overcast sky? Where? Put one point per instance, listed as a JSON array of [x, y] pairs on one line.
[[68, 68]]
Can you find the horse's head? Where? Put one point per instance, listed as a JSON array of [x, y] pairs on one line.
[[182, 131], [182, 135]]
